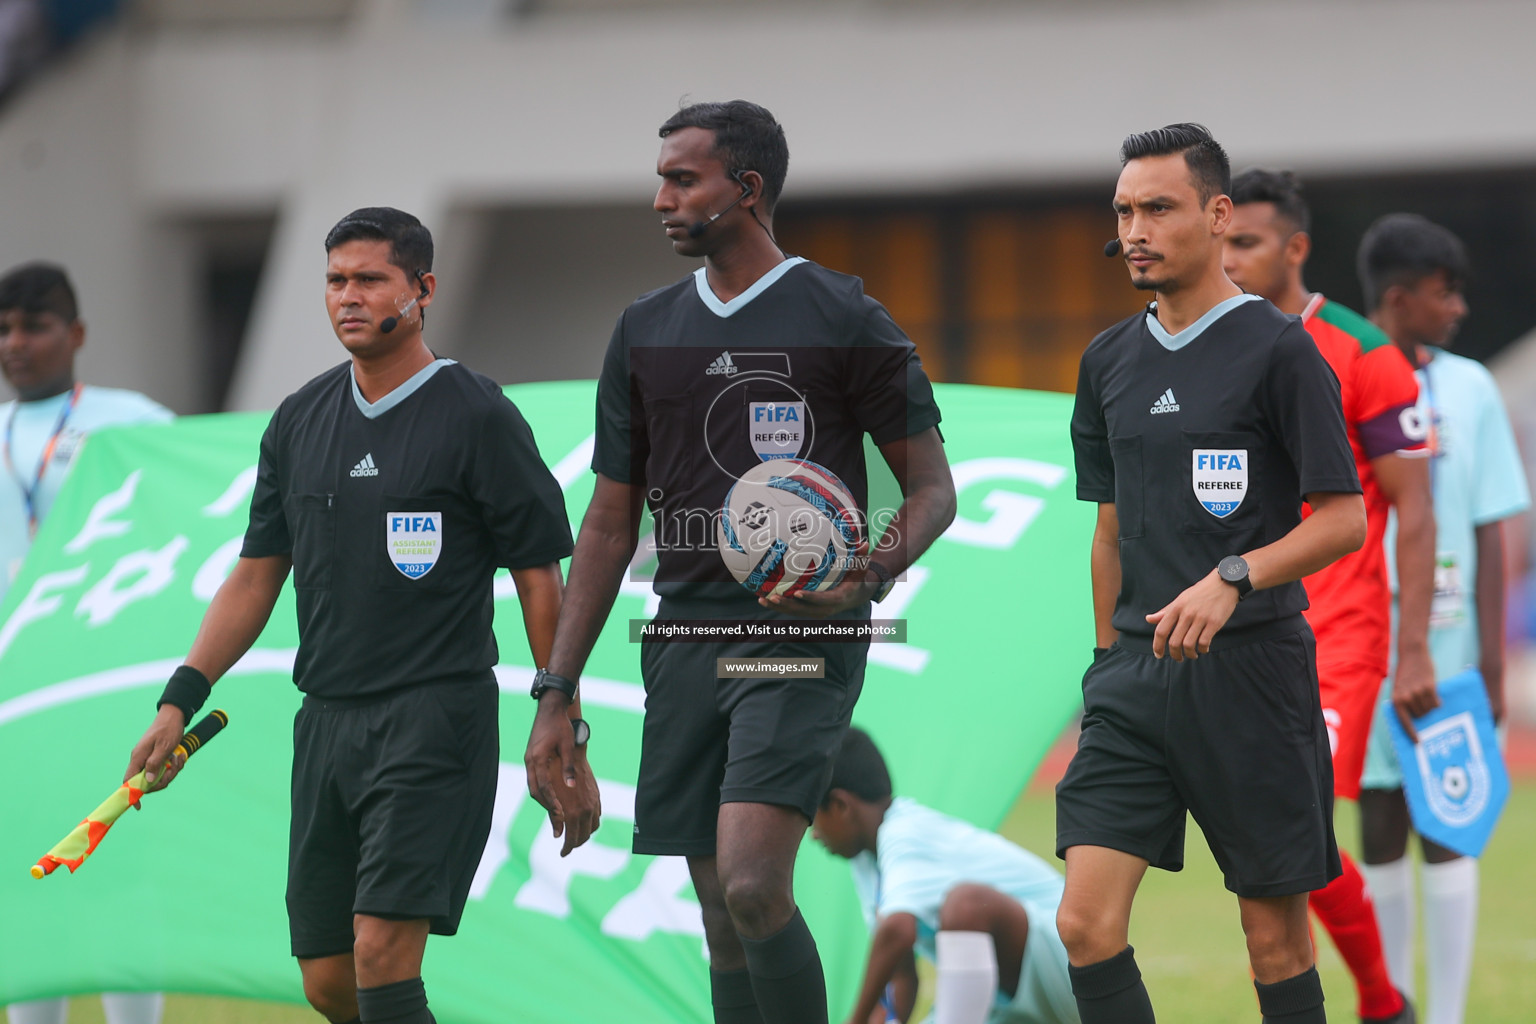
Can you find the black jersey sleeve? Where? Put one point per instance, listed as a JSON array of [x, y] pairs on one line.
[[1090, 441], [520, 501], [621, 445], [267, 532], [889, 390], [1302, 395]]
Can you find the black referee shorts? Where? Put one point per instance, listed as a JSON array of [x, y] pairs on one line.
[[1235, 737], [709, 741], [392, 800]]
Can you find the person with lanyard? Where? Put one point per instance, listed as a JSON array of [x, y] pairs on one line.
[[1412, 272], [40, 334], [1200, 428], [732, 770]]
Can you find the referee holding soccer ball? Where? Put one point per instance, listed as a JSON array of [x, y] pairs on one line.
[[755, 357], [392, 485], [1200, 427]]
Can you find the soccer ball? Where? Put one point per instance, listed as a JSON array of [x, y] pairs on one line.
[[788, 524]]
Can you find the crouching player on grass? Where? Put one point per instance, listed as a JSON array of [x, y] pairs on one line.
[[981, 908]]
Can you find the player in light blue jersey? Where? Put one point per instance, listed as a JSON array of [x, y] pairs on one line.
[[40, 332], [1412, 272], [923, 877]]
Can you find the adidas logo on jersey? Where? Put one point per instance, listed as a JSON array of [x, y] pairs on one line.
[[1165, 403], [365, 466], [721, 365]]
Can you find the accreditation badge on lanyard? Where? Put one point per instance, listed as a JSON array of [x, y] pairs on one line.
[[29, 494]]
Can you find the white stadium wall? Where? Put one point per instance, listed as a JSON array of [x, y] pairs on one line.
[[527, 143]]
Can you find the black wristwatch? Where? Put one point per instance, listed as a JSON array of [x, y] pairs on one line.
[[583, 731], [544, 680], [1234, 570]]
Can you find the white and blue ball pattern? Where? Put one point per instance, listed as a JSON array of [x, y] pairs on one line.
[[788, 524]]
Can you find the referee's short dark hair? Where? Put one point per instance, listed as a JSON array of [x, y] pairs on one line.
[[1281, 188], [410, 243], [747, 138], [860, 769], [1405, 248], [1209, 168], [39, 288]]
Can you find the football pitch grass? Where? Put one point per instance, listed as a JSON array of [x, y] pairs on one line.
[[1186, 936]]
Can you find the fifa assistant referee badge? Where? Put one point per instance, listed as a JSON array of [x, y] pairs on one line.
[[544, 680], [1234, 569]]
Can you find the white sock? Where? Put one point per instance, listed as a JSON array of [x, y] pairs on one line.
[[1450, 930], [1391, 886], [133, 1007], [967, 978], [41, 1011]]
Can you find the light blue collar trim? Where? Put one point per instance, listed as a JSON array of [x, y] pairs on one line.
[[373, 410], [1174, 342], [707, 295]]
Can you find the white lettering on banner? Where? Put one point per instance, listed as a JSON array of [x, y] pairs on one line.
[[902, 657], [234, 495], [216, 569], [100, 525], [1012, 513], [548, 889], [151, 572], [39, 602], [511, 790], [658, 905]]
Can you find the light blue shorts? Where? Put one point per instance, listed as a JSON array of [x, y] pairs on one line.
[[1044, 995]]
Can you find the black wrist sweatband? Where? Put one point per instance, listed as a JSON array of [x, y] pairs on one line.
[[187, 691]]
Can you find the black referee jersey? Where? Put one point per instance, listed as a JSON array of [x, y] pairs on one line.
[[1206, 443], [694, 392], [396, 515]]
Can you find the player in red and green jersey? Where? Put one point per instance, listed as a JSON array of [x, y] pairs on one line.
[[1266, 249]]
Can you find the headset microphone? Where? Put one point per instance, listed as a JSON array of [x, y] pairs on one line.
[[1112, 248], [698, 227], [389, 323]]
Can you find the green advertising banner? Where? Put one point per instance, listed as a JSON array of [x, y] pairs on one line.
[[187, 895]]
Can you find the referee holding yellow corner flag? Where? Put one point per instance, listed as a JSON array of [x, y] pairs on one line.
[[392, 485]]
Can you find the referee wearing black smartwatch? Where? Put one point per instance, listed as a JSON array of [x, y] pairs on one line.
[[392, 485], [1200, 427]]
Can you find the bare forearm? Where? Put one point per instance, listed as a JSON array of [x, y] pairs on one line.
[[237, 615], [539, 591], [603, 552], [923, 516], [1415, 575], [1105, 568], [1334, 529], [892, 943], [1490, 596]]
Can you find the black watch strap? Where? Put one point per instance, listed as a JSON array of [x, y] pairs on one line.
[[544, 680], [884, 576]]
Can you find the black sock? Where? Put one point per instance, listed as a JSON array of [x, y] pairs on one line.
[[730, 992], [354, 1020], [1111, 992], [1297, 1000], [786, 975], [403, 1002]]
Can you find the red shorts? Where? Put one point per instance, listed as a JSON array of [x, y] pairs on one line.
[[1349, 691]]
